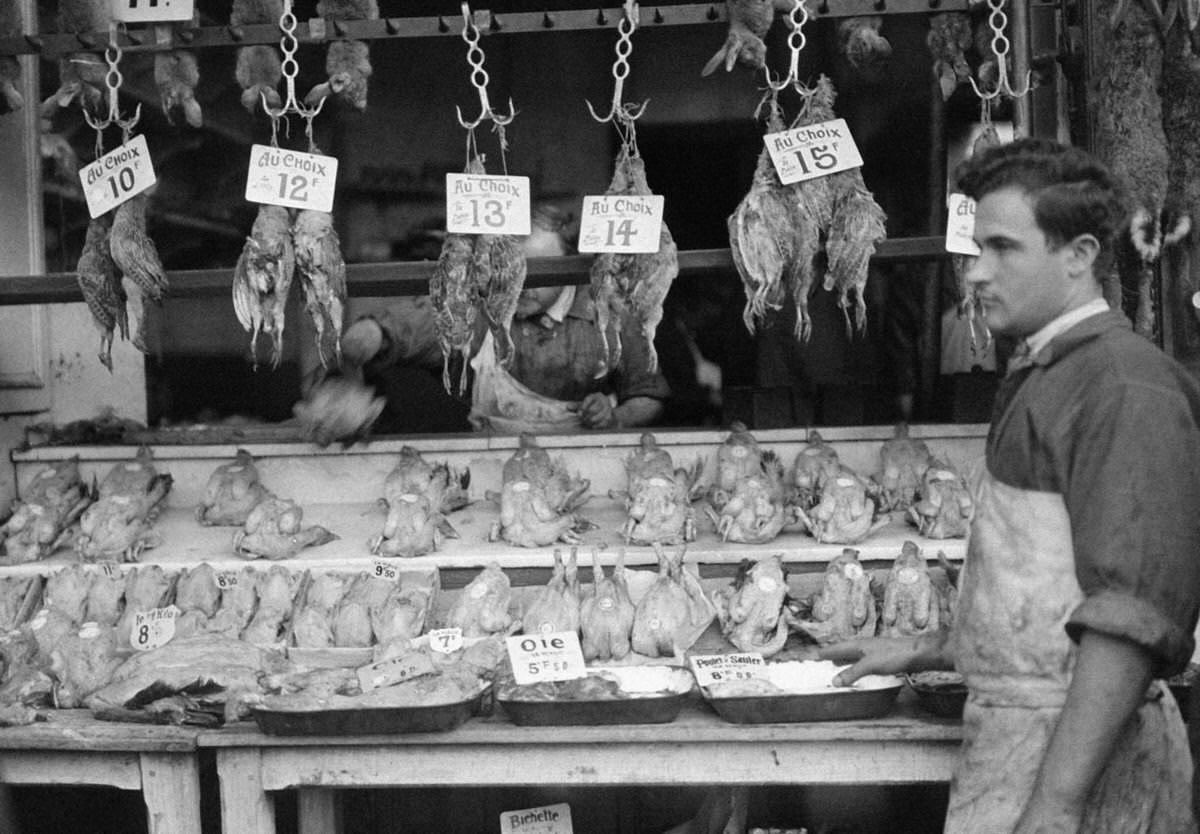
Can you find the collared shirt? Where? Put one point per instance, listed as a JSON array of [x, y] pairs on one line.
[[1064, 323], [1103, 418]]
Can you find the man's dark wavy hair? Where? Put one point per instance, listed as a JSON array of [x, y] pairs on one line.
[[1073, 193]]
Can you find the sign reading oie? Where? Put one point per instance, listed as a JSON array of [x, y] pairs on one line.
[[481, 204], [292, 179], [626, 223], [805, 153], [117, 176]]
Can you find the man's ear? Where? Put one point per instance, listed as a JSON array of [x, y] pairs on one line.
[[1082, 252]]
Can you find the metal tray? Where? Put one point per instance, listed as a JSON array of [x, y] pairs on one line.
[[841, 705], [644, 710], [368, 720], [944, 696]]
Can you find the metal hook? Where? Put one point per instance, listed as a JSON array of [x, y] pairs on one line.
[[112, 82], [998, 21], [796, 43], [618, 111], [479, 78], [288, 44]]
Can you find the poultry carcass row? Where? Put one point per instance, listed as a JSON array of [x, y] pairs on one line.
[[758, 508], [482, 607], [274, 530], [673, 612], [750, 609], [197, 596], [844, 607], [418, 494], [911, 603], [232, 491], [944, 506], [42, 520], [845, 513], [146, 588], [816, 463], [275, 589], [555, 606], [312, 624], [902, 464], [659, 496], [120, 524], [606, 614], [352, 619], [538, 499]]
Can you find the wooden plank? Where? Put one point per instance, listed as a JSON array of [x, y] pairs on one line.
[[833, 762], [171, 790], [245, 807], [319, 811], [77, 730], [36, 767]]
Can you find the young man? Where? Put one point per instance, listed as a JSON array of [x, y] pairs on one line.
[[1082, 577]]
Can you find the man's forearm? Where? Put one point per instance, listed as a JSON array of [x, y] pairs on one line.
[[637, 411], [1109, 682]]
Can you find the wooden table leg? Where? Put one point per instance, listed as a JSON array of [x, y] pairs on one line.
[[320, 811], [245, 806], [171, 791]]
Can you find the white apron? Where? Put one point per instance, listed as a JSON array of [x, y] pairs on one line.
[[1017, 590], [500, 403]]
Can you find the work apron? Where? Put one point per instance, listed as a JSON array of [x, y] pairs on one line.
[[499, 402], [1017, 591]]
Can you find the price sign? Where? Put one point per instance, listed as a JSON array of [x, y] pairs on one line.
[[481, 204], [151, 11], [721, 668], [629, 223], [445, 640], [117, 176], [383, 569], [549, 656], [394, 670], [805, 153], [549, 819], [960, 225], [153, 628], [227, 580], [290, 178]]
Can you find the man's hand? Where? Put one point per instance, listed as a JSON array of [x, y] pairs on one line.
[[362, 341], [886, 656], [596, 411]]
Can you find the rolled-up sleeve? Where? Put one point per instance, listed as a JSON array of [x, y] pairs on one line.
[[1133, 494], [634, 377]]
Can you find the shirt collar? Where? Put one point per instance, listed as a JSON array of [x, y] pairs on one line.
[[1039, 340]]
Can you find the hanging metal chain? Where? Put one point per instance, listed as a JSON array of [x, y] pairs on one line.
[[797, 40], [480, 80], [289, 44], [620, 112], [998, 22], [113, 79]]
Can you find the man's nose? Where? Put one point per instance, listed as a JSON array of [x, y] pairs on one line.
[[977, 270]]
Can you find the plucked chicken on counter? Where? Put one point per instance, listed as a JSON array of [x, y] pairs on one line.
[[418, 495], [120, 525], [538, 499], [659, 496]]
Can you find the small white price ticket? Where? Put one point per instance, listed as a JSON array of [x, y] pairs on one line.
[[483, 204], [549, 819], [151, 11], [384, 569], [549, 656], [960, 225], [629, 223], [227, 580], [721, 668], [117, 176], [805, 153], [153, 628], [280, 177], [445, 640], [394, 670]]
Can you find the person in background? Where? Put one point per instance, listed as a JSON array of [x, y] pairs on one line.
[[1081, 584]]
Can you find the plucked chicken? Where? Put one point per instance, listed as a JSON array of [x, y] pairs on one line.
[[903, 461], [944, 506], [129, 499], [105, 598], [738, 458], [137, 259], [845, 513], [352, 619], [338, 408], [816, 463], [197, 596], [758, 508], [232, 491], [274, 530], [631, 286], [66, 592], [749, 21], [911, 603], [659, 497], [43, 519], [101, 286], [312, 624], [482, 608], [322, 275], [83, 662], [259, 68], [555, 606], [538, 499], [750, 609], [262, 279], [606, 614], [275, 588], [418, 494], [404, 611], [239, 596], [146, 588], [844, 607], [673, 611]]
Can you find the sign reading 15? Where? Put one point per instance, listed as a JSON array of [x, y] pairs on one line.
[[821, 157]]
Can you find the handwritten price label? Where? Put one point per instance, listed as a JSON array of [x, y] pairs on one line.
[[151, 11], [721, 668], [805, 153], [630, 223], [227, 580], [481, 204], [290, 178], [550, 656], [960, 225], [394, 670], [445, 640], [153, 628], [549, 819], [119, 175], [385, 570]]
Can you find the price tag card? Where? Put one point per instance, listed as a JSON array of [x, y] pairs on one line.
[[153, 628], [227, 580], [960, 225], [394, 670], [151, 11], [805, 153], [549, 819], [481, 204], [445, 640], [630, 223], [290, 178], [719, 668], [120, 174], [384, 569], [550, 656]]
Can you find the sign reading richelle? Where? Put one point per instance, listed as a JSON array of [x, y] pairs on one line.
[[549, 819]]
